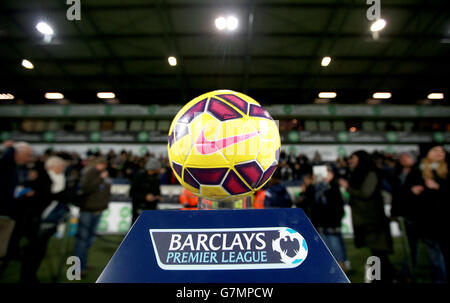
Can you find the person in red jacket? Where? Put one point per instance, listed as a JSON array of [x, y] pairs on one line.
[[258, 202], [188, 200]]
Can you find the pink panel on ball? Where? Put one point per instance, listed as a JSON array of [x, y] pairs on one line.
[[222, 111], [258, 111], [178, 168], [208, 176], [189, 180], [236, 101], [267, 174], [234, 185], [251, 172], [190, 114]]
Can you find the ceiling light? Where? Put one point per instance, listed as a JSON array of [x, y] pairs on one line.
[[436, 96], [54, 96], [44, 28], [327, 95], [384, 95], [378, 25], [221, 23], [172, 61], [325, 61], [106, 95], [27, 64], [232, 23], [6, 97]]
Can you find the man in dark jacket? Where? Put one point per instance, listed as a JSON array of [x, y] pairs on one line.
[[276, 193], [15, 154], [47, 208], [144, 190], [370, 223], [327, 211], [96, 194]]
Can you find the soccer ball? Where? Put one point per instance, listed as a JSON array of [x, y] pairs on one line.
[[223, 146]]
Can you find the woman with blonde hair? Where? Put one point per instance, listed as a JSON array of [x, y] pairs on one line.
[[429, 185]]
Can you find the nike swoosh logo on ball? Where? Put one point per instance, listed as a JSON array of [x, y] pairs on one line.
[[207, 147]]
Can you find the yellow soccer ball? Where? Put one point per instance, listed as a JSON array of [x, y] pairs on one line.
[[223, 146]]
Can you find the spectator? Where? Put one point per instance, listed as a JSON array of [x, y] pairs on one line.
[[144, 191], [96, 195], [317, 159], [188, 200], [48, 208], [276, 193], [258, 201], [282, 156], [430, 185], [327, 213], [370, 224], [19, 153], [291, 159], [285, 171], [342, 170], [296, 172], [305, 166], [402, 196], [306, 197], [15, 154]]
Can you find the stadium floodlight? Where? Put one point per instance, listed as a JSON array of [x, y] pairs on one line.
[[6, 96], [27, 64], [229, 23], [382, 95], [172, 61], [232, 23], [44, 28], [378, 25], [54, 96], [325, 61], [327, 95], [221, 23], [106, 95], [436, 96]]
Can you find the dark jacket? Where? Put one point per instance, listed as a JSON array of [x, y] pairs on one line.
[[43, 195], [370, 224], [328, 207], [404, 202], [96, 192], [306, 200], [428, 211], [8, 182], [277, 196], [142, 185]]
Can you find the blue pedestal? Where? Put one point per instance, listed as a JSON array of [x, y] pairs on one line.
[[223, 246]]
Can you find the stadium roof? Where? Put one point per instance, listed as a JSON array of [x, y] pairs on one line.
[[274, 55]]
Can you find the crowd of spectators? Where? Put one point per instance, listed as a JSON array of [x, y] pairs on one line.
[[125, 165], [418, 184]]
